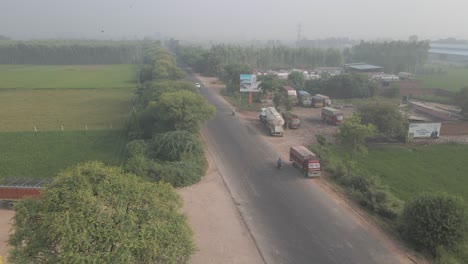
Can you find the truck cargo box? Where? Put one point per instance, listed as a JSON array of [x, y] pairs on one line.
[[305, 160]]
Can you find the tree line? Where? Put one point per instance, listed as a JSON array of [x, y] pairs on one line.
[[393, 56], [213, 60], [71, 52], [168, 114], [95, 213]]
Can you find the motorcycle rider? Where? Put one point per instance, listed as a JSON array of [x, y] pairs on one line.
[[279, 163]]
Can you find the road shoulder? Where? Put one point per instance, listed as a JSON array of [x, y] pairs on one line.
[[220, 234]]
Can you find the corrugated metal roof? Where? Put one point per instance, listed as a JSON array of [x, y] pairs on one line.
[[449, 52], [289, 88], [365, 67], [449, 46], [25, 182]]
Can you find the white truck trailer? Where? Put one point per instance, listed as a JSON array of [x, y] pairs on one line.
[[272, 120]]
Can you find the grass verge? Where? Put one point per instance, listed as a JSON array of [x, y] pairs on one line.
[[67, 76], [43, 154], [447, 78], [21, 110]]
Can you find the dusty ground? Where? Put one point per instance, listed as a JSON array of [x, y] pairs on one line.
[[220, 233], [5, 226]]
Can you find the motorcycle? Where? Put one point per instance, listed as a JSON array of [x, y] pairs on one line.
[[279, 165], [233, 112]]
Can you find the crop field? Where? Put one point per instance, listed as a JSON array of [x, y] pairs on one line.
[[43, 154], [67, 76], [452, 79], [21, 110], [410, 171]]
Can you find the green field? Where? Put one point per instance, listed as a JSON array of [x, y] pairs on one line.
[[411, 171], [21, 110], [452, 79], [43, 154], [68, 76]]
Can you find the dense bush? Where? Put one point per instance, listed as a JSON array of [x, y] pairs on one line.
[[177, 173], [369, 192], [97, 214], [175, 157], [391, 124], [168, 115], [366, 190], [174, 146], [435, 220]]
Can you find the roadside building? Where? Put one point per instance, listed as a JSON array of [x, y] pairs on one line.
[[362, 68], [448, 53]]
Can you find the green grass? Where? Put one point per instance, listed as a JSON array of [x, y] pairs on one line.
[[21, 110], [411, 171], [452, 79], [43, 154], [68, 76]]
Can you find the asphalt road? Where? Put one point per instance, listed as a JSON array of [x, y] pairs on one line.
[[292, 220]]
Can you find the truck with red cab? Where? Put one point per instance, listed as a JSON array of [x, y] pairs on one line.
[[305, 160], [332, 116]]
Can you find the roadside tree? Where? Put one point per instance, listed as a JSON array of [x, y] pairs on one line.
[[269, 83], [386, 117], [92, 213], [296, 79], [352, 135], [232, 74], [435, 220], [182, 110]]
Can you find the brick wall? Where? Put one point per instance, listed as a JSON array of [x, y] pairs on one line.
[[454, 129]]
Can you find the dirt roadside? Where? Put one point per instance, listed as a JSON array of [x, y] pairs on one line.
[[220, 233], [6, 216]]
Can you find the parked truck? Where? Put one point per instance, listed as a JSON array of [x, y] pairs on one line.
[[272, 120], [326, 99], [290, 93], [13, 189], [317, 102], [305, 160], [304, 98], [291, 120], [332, 116]]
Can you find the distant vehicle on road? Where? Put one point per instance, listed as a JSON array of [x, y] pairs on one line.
[[198, 85]]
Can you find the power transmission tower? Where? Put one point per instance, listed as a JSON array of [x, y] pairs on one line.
[[299, 31]]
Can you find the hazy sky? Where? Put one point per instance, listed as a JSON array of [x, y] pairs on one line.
[[234, 19]]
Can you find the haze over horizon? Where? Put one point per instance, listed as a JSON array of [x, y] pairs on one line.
[[233, 20]]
